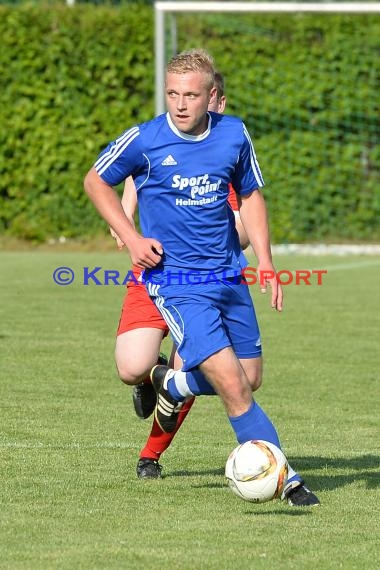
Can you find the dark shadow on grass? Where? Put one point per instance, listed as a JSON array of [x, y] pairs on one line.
[[356, 469], [221, 485], [361, 468], [286, 511], [187, 473], [256, 509]]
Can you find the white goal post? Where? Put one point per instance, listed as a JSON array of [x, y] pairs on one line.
[[163, 8]]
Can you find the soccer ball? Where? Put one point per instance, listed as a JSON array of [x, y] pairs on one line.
[[257, 471]]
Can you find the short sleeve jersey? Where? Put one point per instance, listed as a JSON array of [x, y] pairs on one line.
[[182, 184]]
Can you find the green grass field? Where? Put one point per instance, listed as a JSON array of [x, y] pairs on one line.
[[70, 440]]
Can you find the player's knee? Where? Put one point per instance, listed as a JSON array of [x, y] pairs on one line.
[[127, 375], [124, 376], [256, 380]]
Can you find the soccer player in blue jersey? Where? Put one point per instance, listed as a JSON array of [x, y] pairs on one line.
[[141, 329], [182, 163]]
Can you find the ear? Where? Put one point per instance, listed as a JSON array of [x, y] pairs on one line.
[[213, 95], [222, 104]]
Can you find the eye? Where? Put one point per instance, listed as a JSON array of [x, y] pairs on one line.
[[172, 94]]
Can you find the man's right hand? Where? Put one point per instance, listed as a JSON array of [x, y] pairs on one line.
[[145, 252]]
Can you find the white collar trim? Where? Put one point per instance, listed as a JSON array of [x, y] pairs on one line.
[[184, 135]]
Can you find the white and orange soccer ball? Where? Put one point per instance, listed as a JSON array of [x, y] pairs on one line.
[[257, 471]]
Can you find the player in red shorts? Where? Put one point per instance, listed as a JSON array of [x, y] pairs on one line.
[[142, 329]]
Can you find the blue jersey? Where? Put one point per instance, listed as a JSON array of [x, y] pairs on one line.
[[182, 188]]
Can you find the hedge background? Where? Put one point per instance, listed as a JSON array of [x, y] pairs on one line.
[[307, 86]]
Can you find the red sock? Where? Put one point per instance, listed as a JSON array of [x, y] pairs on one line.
[[146, 380], [158, 440]]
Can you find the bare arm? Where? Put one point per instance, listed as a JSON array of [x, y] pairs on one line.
[[129, 199], [144, 252], [129, 204], [253, 213], [243, 238]]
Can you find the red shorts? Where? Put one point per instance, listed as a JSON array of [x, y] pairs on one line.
[[138, 309], [232, 200]]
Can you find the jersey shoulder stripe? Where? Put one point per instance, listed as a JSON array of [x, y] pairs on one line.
[[116, 148], [254, 163]]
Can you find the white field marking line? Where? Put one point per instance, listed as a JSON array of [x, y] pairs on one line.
[[342, 267], [324, 249], [40, 445]]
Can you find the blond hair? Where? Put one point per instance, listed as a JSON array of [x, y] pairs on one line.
[[193, 60]]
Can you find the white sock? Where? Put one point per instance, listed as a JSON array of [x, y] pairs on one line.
[[181, 384], [291, 472]]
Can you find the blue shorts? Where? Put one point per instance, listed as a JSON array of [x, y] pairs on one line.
[[203, 318]]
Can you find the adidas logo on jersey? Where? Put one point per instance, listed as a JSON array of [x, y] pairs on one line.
[[169, 161]]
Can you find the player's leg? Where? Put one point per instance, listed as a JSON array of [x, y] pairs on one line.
[[158, 440], [136, 351], [253, 368], [295, 492], [248, 420], [139, 335], [230, 378], [195, 383], [198, 320], [224, 372]]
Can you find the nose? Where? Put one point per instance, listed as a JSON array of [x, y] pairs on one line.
[[181, 103]]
